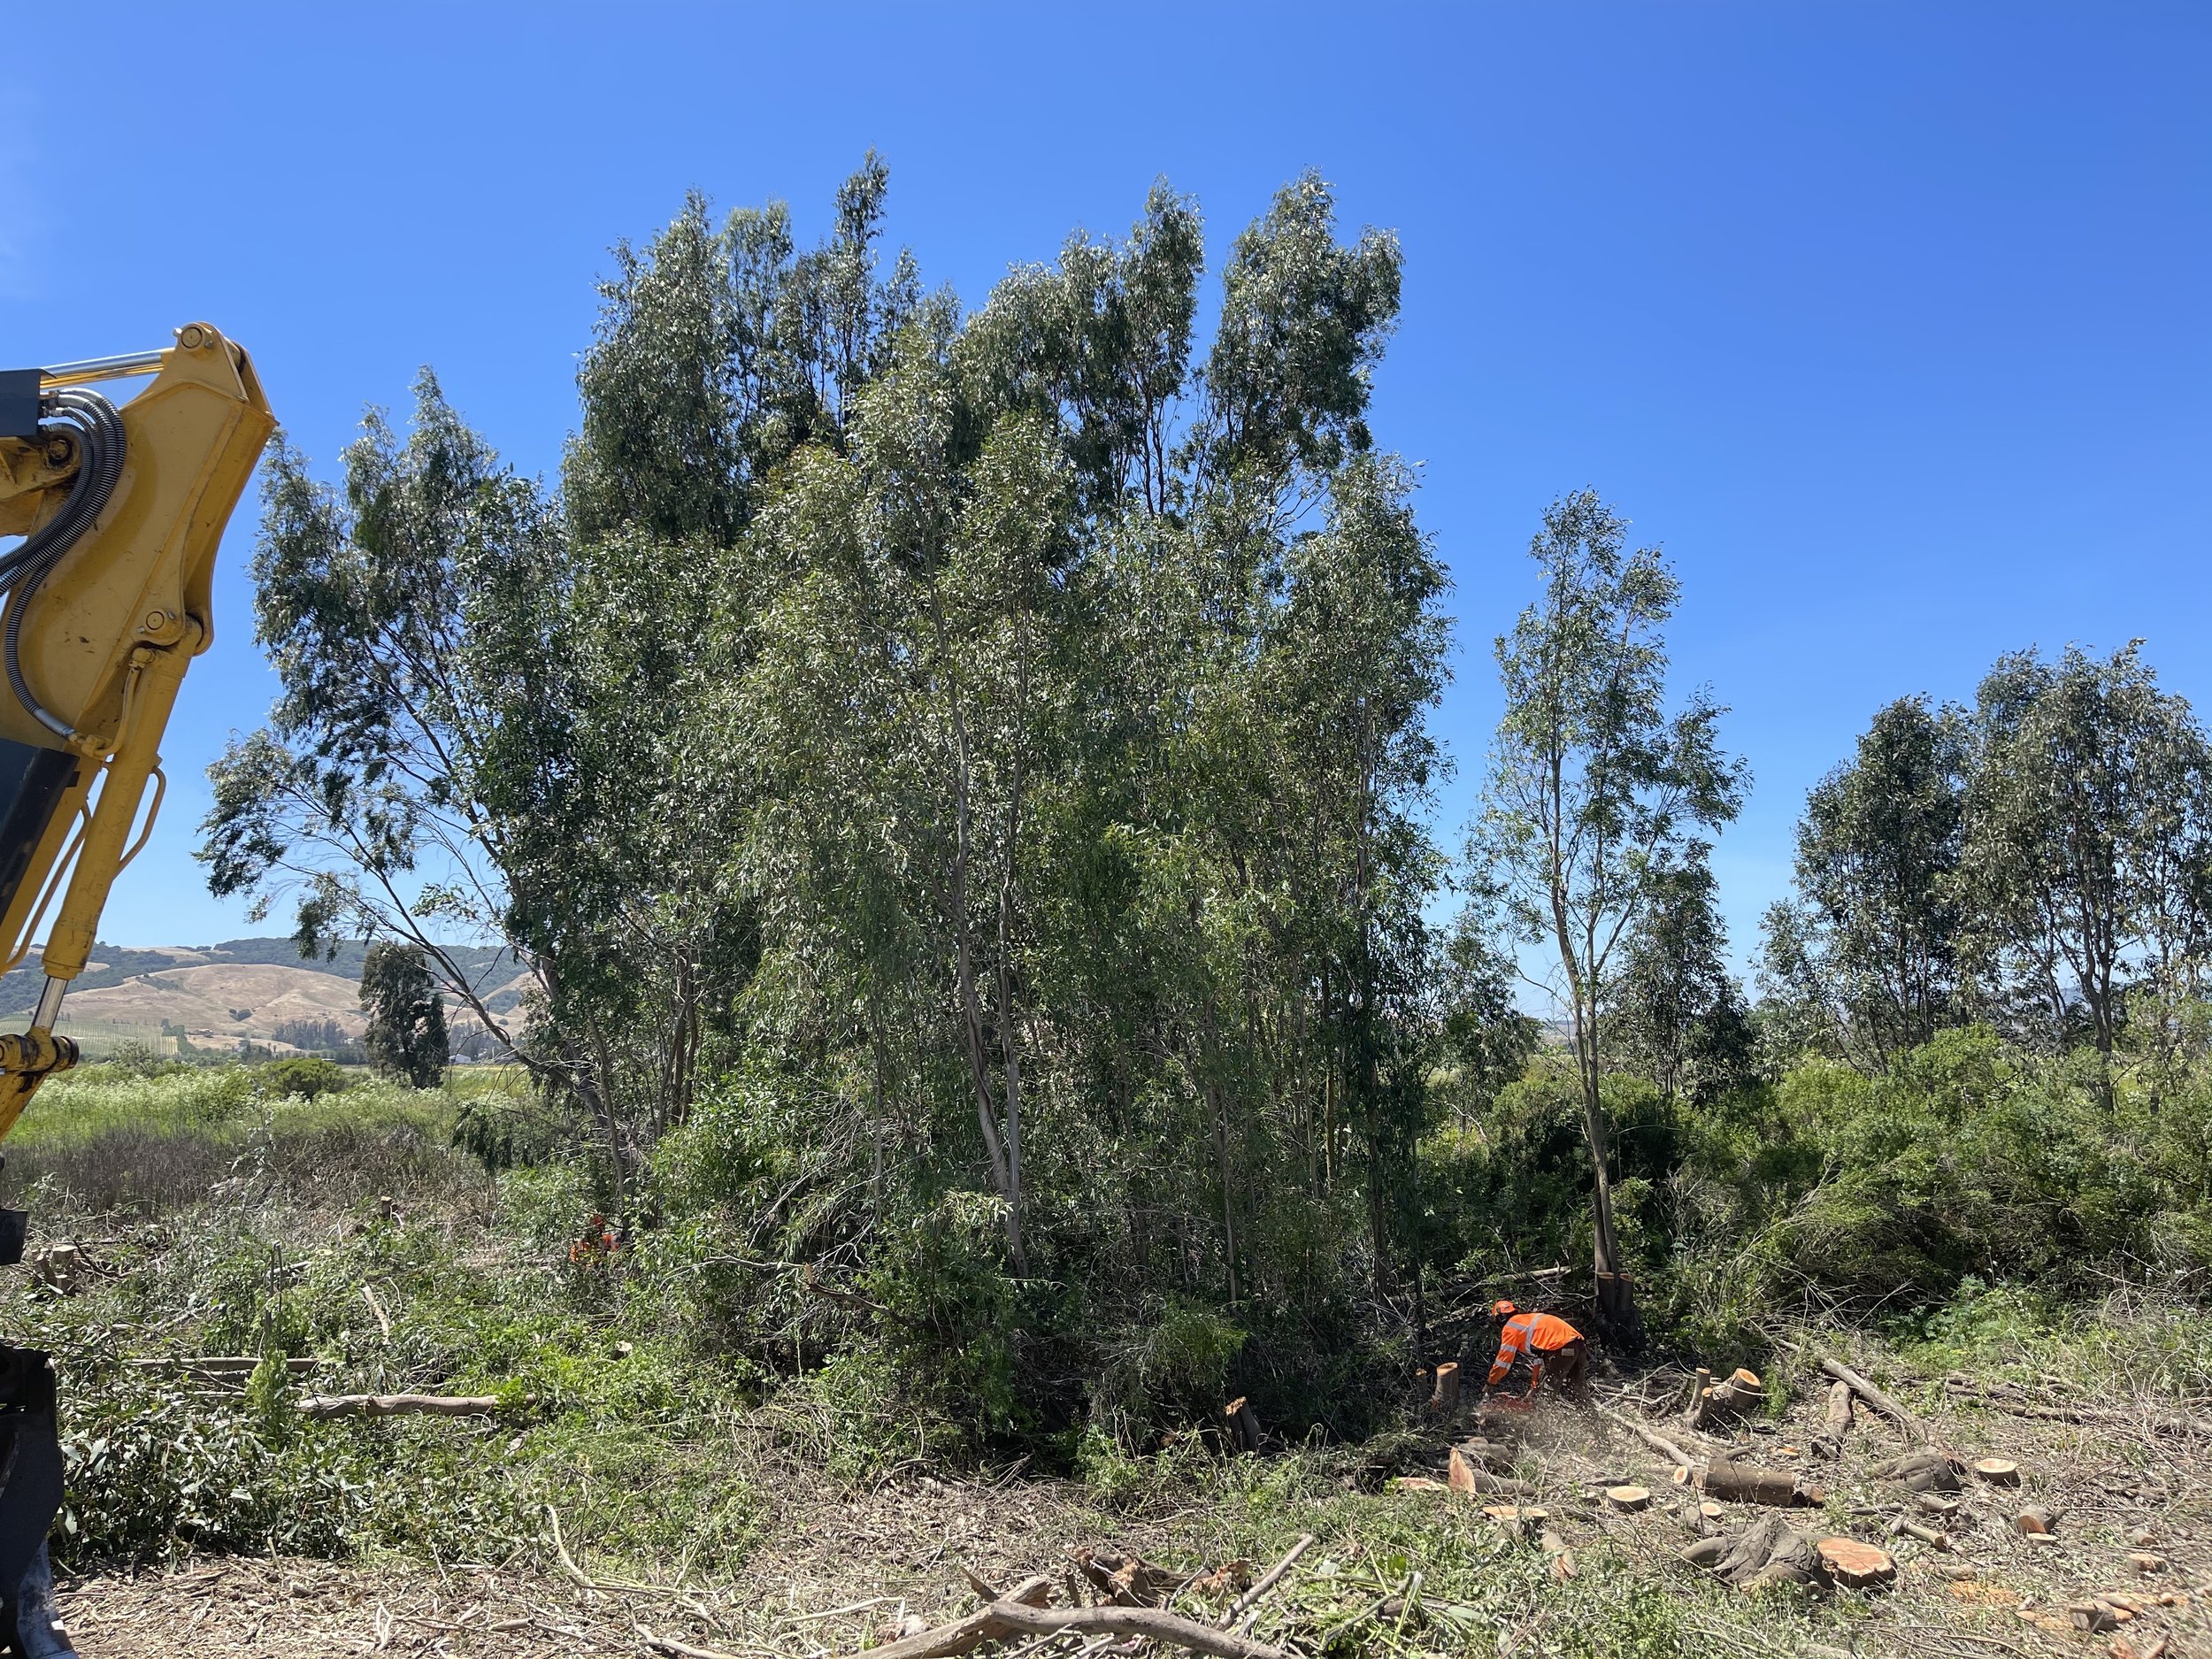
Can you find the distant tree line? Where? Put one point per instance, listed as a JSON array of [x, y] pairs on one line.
[[2040, 863]]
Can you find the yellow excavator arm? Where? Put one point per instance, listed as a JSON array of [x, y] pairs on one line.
[[105, 603]]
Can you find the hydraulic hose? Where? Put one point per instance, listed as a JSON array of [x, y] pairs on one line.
[[97, 430]]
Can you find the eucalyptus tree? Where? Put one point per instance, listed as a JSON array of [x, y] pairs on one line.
[[1675, 1009], [2087, 857], [406, 1036], [1871, 945], [1594, 789]]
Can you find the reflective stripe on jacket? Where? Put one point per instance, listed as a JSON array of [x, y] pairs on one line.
[[1530, 1334]]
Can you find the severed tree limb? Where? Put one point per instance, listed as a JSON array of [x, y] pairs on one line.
[[1002, 1619], [1658, 1443], [681, 1649], [2165, 1423], [1875, 1397], [1246, 1602], [398, 1405]]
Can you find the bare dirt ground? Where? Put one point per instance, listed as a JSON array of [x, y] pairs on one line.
[[2131, 1527], [2130, 1521]]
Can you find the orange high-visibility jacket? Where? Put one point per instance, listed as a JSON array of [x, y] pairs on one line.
[[1534, 1334]]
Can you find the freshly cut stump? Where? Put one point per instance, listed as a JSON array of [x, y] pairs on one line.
[[1417, 1483], [1858, 1565], [2032, 1522], [1461, 1475], [1712, 1512], [1629, 1498], [1999, 1471]]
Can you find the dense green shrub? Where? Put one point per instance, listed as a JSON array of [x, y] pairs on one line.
[[304, 1078]]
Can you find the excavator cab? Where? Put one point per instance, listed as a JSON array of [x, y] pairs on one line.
[[104, 603]]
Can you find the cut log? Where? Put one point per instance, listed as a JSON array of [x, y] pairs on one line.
[[1874, 1397], [1744, 1483], [1244, 1424], [1463, 1477], [398, 1405], [1629, 1499], [1491, 1455], [1922, 1472], [1999, 1471], [1445, 1399], [1857, 1565], [1707, 1552], [1837, 1422]]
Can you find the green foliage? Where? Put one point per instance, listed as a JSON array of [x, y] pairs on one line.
[[303, 1078], [407, 1035], [948, 1320], [1595, 786]]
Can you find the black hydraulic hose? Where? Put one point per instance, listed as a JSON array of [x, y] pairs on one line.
[[98, 431]]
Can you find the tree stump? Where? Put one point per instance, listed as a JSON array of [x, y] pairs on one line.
[[1857, 1565], [1998, 1472], [1444, 1402], [1244, 1425], [1734, 1394], [1629, 1499], [2032, 1522]]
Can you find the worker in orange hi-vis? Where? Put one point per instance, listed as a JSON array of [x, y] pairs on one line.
[[1547, 1342]]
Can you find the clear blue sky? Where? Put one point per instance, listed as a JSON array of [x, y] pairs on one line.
[[1892, 322]]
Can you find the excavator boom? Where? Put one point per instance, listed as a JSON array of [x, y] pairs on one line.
[[103, 604]]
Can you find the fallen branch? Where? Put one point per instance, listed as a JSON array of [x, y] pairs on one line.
[[681, 1649], [2164, 1421], [399, 1405], [1250, 1599], [1003, 1618], [219, 1365], [383, 1319], [1658, 1443], [1874, 1397]]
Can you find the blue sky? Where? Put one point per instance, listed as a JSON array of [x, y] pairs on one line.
[[1889, 322]]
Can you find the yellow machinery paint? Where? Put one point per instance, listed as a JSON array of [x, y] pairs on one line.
[[101, 642]]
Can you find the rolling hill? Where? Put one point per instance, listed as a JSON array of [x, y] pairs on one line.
[[242, 990]]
